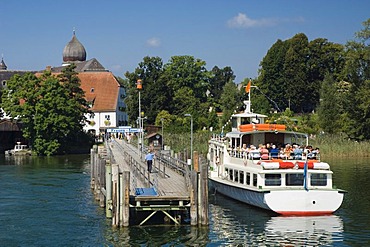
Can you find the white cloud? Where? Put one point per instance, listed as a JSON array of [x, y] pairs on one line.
[[153, 42], [243, 21]]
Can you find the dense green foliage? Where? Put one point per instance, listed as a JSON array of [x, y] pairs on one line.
[[50, 107], [321, 84], [324, 86], [181, 86]]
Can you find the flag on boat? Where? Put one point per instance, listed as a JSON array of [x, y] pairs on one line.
[[305, 175], [248, 87]]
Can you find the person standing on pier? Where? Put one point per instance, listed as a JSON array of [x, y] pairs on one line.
[[149, 160]]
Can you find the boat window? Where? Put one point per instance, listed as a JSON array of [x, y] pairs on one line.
[[236, 175], [318, 179], [227, 172], [234, 123], [241, 177], [295, 179], [245, 120], [248, 179], [254, 179], [231, 177], [272, 179]]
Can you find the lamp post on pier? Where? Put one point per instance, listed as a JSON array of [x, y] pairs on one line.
[[162, 134], [191, 137], [139, 86]]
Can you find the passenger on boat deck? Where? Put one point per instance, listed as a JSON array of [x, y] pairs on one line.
[[281, 153], [287, 150], [254, 153], [244, 150], [297, 151], [274, 152], [308, 152], [264, 152], [268, 146]]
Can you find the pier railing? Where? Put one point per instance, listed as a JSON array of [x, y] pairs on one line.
[[118, 171]]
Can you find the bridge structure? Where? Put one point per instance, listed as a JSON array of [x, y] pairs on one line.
[[170, 194]]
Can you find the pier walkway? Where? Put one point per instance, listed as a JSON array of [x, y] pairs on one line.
[[171, 182], [133, 196]]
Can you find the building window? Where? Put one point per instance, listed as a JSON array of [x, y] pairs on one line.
[[4, 83], [92, 90], [107, 117]]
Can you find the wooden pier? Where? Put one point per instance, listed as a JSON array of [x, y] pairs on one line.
[[170, 194]]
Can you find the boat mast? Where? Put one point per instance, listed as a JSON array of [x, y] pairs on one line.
[[248, 102]]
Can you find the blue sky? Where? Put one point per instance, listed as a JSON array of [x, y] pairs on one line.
[[235, 33]]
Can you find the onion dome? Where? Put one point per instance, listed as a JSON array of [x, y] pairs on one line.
[[3, 65], [74, 51]]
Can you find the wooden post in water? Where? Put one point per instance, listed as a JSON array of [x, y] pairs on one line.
[[115, 195], [93, 155], [108, 186], [101, 183], [126, 199], [96, 179], [194, 198], [120, 198], [203, 195], [196, 161]]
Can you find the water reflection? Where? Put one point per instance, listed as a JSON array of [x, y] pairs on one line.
[[234, 224], [15, 160], [303, 231], [158, 236]]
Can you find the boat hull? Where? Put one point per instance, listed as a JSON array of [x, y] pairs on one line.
[[244, 195], [284, 202]]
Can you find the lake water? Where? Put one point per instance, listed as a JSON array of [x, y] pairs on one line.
[[47, 201]]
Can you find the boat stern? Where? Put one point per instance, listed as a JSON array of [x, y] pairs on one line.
[[302, 202]]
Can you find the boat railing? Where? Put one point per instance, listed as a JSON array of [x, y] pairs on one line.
[[218, 138], [257, 155]]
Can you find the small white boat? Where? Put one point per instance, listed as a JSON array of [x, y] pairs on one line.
[[19, 149], [293, 183]]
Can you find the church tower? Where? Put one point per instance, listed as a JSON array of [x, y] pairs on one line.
[[74, 51]]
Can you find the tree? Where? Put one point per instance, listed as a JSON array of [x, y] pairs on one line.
[[218, 80], [51, 109], [155, 93], [328, 110], [271, 80], [230, 102], [19, 101], [323, 57], [186, 71], [298, 90], [357, 72]]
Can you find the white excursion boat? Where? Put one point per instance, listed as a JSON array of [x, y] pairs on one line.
[[289, 181]]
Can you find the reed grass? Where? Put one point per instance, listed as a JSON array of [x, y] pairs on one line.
[[338, 146]]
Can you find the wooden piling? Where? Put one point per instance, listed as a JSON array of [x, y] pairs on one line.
[[101, 183], [195, 161], [126, 199], [108, 186], [115, 195], [203, 195], [194, 198]]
